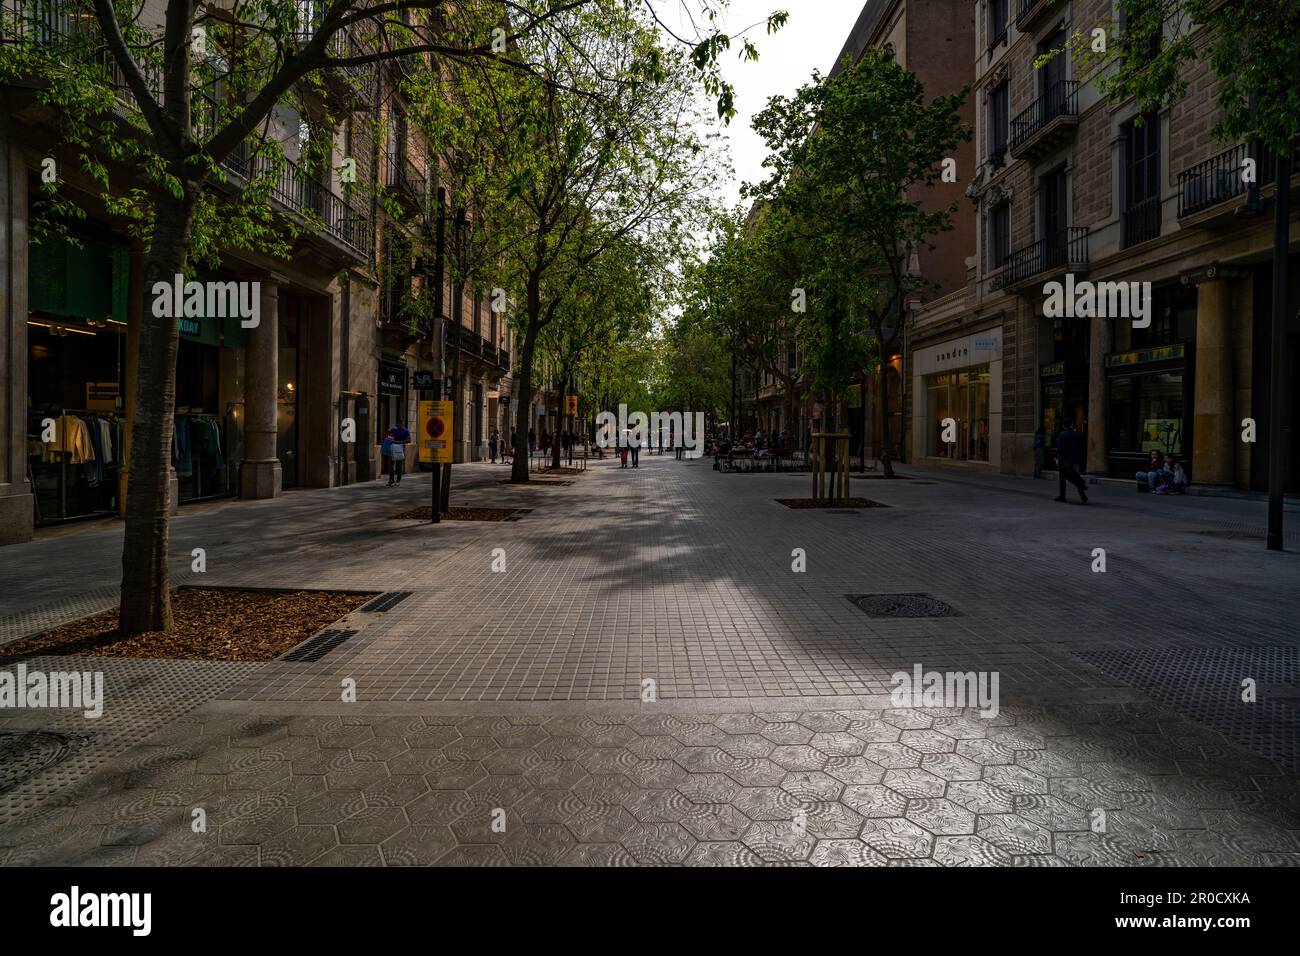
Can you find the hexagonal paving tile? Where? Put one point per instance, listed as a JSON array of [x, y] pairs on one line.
[[372, 825], [969, 851], [896, 838], [812, 786], [1013, 834], [875, 801], [659, 843], [941, 816], [774, 841], [846, 853]]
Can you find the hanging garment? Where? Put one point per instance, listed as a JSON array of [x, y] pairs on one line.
[[71, 438], [207, 441], [182, 451], [94, 469], [106, 439]]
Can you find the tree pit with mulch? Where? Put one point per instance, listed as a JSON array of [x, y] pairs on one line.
[[425, 513], [801, 504], [208, 624]]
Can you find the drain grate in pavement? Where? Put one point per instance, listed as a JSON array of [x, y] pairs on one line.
[[315, 648], [24, 755], [386, 602], [1206, 684], [902, 605]]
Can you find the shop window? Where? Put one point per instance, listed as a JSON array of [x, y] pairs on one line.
[[963, 397], [1173, 318], [1070, 340], [1147, 413]]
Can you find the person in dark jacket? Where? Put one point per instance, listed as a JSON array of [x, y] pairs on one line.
[[1069, 459]]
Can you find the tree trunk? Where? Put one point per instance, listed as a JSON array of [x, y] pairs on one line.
[[519, 468], [146, 598], [886, 456], [558, 437]]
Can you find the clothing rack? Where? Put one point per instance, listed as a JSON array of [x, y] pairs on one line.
[[113, 417]]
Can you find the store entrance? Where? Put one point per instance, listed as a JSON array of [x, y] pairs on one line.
[[290, 377]]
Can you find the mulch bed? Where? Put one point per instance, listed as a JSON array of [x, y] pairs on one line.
[[808, 503], [425, 513], [208, 624]]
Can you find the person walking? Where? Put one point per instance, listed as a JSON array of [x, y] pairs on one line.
[[493, 438], [1069, 459], [532, 440], [1040, 449], [386, 456], [401, 438], [636, 453]]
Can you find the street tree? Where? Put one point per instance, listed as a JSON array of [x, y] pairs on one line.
[[198, 82], [852, 159]]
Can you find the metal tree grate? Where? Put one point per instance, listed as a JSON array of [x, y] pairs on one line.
[[902, 605], [313, 649], [386, 602], [24, 755]]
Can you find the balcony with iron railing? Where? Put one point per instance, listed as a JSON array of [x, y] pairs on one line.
[[1029, 11], [1222, 178], [1141, 221], [1064, 250], [293, 190], [344, 44], [1043, 124], [406, 178]]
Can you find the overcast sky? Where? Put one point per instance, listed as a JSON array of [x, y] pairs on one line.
[[811, 39]]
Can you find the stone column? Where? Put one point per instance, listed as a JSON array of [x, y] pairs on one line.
[[260, 476], [17, 503], [1100, 345], [1213, 454]]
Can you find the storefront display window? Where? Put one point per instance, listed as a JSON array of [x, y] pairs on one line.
[[1148, 413], [963, 397]]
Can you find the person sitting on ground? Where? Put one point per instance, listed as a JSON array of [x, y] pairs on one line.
[[1155, 466], [1172, 479]]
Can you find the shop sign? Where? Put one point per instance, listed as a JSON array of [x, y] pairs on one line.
[[392, 379], [102, 396], [190, 327], [1047, 371], [571, 403], [423, 379], [436, 432], [1141, 356]]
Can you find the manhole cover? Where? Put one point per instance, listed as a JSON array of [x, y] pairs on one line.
[[901, 605], [24, 755]]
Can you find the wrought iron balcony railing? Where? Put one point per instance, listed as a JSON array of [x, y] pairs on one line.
[[1064, 248], [1221, 178], [1141, 221], [1061, 99], [406, 177]]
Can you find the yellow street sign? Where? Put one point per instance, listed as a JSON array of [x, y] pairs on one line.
[[436, 432]]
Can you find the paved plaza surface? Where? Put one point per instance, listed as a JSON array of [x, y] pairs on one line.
[[499, 714]]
